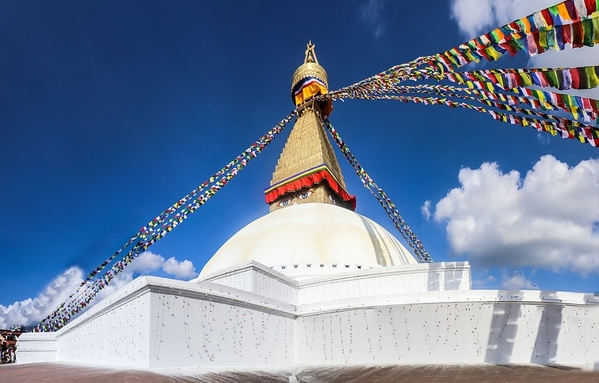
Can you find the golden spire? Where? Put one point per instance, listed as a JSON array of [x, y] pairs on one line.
[[310, 54], [308, 170]]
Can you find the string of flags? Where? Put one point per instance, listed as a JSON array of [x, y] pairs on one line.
[[555, 125], [520, 96], [401, 225], [573, 23], [155, 230]]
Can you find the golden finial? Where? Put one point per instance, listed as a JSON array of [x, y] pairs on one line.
[[310, 54], [310, 69]]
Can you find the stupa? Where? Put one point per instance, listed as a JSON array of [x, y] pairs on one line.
[[312, 228], [315, 283]]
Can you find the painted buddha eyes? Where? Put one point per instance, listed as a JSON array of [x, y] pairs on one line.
[[305, 194], [301, 196]]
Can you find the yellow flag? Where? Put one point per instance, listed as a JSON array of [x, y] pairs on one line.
[[492, 52], [592, 76]]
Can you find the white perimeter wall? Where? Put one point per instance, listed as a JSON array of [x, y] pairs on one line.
[[262, 280], [187, 331], [386, 280], [118, 335], [157, 322], [36, 347], [466, 327], [258, 279]]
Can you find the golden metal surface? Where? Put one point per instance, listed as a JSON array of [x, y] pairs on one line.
[[308, 145], [310, 67], [310, 56]]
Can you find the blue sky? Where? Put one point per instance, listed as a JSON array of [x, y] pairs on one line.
[[110, 111]]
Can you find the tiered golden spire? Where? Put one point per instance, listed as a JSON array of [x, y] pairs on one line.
[[308, 170]]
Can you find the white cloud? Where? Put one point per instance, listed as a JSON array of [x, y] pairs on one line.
[[426, 210], [32, 310], [472, 16], [475, 17], [147, 263], [483, 283], [547, 219], [183, 269], [516, 282], [371, 15]]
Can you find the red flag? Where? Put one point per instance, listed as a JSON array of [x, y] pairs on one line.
[[586, 103], [567, 34], [547, 16], [575, 78], [577, 35], [571, 7], [591, 6]]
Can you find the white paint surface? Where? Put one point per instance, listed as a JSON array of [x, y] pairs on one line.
[[413, 314], [311, 239]]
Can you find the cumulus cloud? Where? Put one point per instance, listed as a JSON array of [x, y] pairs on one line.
[[32, 310], [547, 219], [148, 263], [475, 17], [183, 269], [516, 281], [371, 15], [483, 283]]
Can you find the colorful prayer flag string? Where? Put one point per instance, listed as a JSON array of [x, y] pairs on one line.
[[552, 124], [572, 22], [499, 90], [155, 230], [405, 230]]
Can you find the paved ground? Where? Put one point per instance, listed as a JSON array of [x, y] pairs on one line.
[[67, 373]]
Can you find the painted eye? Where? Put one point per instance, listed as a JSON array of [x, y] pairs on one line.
[[305, 194], [285, 202], [332, 200]]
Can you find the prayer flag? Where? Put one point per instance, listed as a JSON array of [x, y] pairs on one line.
[[572, 12], [587, 26], [575, 76], [593, 80], [555, 14], [493, 53], [547, 17], [591, 6], [577, 35], [531, 45]]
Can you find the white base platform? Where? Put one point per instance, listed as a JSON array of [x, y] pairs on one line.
[[251, 315]]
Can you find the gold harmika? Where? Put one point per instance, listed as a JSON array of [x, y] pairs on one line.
[[310, 67]]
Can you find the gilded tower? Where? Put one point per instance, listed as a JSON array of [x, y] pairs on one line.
[[308, 170]]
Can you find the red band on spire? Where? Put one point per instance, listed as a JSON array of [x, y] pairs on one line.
[[308, 179]]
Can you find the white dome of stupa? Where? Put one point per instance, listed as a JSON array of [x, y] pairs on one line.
[[311, 239]]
